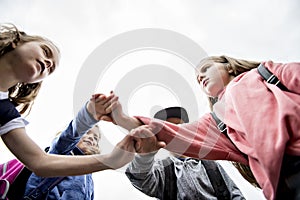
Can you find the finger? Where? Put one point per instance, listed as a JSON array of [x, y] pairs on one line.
[[138, 146], [156, 126], [106, 118], [114, 105], [94, 96], [138, 133], [144, 131], [100, 99], [130, 142], [112, 108], [161, 144], [110, 101], [113, 99], [107, 99]]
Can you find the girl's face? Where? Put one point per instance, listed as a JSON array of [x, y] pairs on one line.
[[90, 140], [213, 77], [34, 61]]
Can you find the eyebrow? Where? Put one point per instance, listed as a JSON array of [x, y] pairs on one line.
[[204, 66], [98, 136]]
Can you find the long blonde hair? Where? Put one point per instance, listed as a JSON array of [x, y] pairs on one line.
[[21, 94], [238, 66]]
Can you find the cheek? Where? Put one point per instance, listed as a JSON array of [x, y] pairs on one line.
[[79, 145], [38, 78], [214, 88]]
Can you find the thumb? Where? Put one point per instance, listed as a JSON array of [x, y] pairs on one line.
[[161, 144], [106, 118]]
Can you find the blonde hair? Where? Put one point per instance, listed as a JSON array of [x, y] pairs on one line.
[[238, 66], [22, 94]]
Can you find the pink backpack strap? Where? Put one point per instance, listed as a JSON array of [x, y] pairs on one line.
[[4, 186], [9, 171]]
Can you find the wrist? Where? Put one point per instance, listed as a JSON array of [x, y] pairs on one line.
[[128, 122], [90, 108], [104, 162]]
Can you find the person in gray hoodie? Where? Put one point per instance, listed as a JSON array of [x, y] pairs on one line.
[[180, 177]]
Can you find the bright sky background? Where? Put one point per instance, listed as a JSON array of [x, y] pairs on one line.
[[256, 30]]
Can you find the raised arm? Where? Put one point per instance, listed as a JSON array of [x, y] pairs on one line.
[[29, 153], [85, 119], [47, 165], [198, 139], [117, 116], [146, 174]]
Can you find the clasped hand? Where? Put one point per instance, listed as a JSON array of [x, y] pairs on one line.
[[108, 108]]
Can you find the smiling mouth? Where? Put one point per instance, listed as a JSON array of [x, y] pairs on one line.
[[89, 143], [204, 83]]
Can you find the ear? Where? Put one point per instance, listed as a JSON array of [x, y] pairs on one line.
[[229, 68], [14, 44]]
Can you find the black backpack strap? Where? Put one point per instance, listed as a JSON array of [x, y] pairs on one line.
[[223, 129], [170, 189], [19, 185], [216, 179], [289, 180], [269, 77], [221, 126], [44, 187]]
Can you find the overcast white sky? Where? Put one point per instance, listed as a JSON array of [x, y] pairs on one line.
[[257, 30]]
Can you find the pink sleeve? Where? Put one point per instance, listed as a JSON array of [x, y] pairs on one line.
[[200, 139]]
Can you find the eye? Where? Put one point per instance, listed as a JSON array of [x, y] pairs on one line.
[[47, 51], [96, 138]]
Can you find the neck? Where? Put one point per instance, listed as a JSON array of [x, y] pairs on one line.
[[7, 77]]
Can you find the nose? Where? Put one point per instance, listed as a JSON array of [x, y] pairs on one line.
[[91, 138], [200, 77]]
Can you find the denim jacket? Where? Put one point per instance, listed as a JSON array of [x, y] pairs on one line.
[[71, 187]]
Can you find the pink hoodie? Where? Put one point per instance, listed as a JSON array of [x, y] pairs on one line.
[[263, 122]]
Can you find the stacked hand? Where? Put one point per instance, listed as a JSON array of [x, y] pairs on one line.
[[108, 108], [122, 153], [99, 107], [145, 140]]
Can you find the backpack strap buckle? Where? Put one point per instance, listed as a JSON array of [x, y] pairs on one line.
[[269, 77]]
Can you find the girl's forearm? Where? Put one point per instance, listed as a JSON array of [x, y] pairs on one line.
[[59, 165], [128, 123], [43, 164]]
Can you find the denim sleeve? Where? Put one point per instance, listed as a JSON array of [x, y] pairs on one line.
[[72, 134]]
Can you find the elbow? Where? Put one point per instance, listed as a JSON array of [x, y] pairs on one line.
[[38, 170], [40, 167]]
